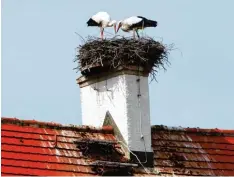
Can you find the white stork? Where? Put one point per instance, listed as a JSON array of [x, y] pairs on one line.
[[135, 23], [102, 20]]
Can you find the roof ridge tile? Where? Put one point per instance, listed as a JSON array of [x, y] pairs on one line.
[[212, 131], [52, 125]]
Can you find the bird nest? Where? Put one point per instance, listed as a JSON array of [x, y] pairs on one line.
[[102, 55]]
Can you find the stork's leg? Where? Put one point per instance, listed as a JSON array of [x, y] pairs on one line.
[[102, 29], [137, 34], [134, 37], [101, 32]]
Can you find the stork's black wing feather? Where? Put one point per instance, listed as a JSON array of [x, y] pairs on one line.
[[91, 22], [147, 23], [143, 18]]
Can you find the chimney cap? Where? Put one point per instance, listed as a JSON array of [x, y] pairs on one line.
[[91, 78]]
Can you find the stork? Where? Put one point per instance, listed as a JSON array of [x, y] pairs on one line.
[[102, 20], [135, 23]]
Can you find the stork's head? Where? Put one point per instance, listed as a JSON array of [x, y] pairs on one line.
[[119, 26]]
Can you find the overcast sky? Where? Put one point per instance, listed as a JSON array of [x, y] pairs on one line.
[[38, 48]]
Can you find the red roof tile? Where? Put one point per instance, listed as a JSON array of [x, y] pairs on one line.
[[41, 148], [30, 148], [193, 151]]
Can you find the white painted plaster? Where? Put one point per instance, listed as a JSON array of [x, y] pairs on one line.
[[118, 95]]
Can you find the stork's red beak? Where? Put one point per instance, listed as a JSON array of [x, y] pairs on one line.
[[118, 27]]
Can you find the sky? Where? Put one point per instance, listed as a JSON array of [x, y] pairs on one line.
[[38, 49]]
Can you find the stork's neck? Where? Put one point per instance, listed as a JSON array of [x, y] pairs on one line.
[[111, 23]]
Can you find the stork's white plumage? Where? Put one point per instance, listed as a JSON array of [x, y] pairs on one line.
[[102, 20], [135, 23]]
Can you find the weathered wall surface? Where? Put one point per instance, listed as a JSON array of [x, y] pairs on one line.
[[119, 96]]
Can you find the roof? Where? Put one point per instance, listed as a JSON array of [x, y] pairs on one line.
[[193, 151], [50, 149]]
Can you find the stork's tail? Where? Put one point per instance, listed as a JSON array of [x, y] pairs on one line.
[[151, 23], [91, 22]]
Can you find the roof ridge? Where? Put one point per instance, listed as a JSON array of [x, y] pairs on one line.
[[212, 131], [53, 125]]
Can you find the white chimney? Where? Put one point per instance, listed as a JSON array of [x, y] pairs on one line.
[[124, 93]]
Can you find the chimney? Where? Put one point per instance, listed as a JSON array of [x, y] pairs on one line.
[[124, 93], [118, 85]]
